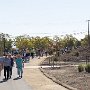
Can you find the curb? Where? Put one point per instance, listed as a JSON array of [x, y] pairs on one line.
[[57, 81]]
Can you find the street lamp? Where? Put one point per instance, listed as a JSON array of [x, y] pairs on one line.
[[88, 34]]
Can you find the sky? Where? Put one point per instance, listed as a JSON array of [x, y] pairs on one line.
[[44, 17]]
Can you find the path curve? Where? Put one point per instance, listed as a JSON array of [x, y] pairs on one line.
[[36, 79]]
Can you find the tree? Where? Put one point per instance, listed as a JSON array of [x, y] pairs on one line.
[[22, 42], [5, 43], [78, 43], [84, 42], [69, 41]]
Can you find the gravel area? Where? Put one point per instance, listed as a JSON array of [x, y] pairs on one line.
[[70, 76]]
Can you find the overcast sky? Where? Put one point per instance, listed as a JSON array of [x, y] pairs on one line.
[[44, 17]]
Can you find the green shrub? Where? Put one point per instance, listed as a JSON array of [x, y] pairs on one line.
[[80, 68], [77, 54], [87, 68]]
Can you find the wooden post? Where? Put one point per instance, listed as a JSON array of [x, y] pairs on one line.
[[49, 60], [53, 62], [87, 59]]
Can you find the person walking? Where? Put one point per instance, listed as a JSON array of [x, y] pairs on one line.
[[11, 66], [7, 64], [19, 65], [1, 67], [46, 53], [39, 53], [1, 64], [32, 53], [27, 57]]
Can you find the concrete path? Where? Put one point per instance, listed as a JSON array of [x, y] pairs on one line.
[[36, 79], [14, 83], [50, 66]]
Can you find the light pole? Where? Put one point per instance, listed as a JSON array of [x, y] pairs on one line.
[[88, 34]]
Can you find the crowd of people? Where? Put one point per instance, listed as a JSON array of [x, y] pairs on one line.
[[7, 62], [26, 54], [17, 59]]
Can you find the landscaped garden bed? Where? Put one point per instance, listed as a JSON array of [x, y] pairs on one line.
[[69, 75]]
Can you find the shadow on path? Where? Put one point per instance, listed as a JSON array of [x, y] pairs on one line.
[[4, 80], [17, 78]]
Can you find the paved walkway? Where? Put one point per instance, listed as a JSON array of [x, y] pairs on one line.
[[36, 79], [14, 83]]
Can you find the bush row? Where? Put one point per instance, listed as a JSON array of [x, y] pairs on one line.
[[84, 67]]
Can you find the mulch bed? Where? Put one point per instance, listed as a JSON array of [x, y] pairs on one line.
[[70, 76]]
